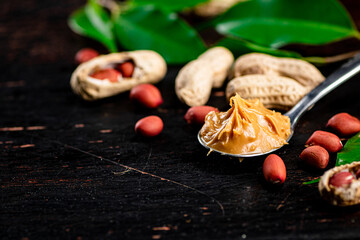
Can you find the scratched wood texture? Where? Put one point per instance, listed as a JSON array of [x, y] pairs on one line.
[[70, 169]]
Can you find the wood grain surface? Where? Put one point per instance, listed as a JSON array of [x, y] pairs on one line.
[[71, 169]]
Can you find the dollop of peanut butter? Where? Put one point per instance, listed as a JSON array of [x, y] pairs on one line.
[[247, 127]]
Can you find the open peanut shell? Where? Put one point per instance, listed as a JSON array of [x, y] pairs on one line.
[[341, 196], [149, 67]]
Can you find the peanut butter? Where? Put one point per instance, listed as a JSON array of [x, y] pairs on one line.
[[247, 127]]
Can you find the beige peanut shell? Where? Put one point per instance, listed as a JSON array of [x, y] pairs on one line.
[[213, 8], [220, 60], [195, 80], [273, 91], [193, 84], [340, 196], [150, 67], [258, 63]]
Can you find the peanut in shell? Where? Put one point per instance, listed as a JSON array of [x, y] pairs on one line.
[[195, 80], [346, 195], [150, 67], [258, 63], [272, 90]]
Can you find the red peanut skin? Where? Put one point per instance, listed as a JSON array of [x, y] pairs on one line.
[[344, 124], [196, 115], [327, 140], [315, 156], [341, 178], [357, 173], [111, 74], [274, 169], [147, 95], [126, 68], [85, 54], [150, 126]]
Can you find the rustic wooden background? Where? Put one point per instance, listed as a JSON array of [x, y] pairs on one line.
[[71, 169]]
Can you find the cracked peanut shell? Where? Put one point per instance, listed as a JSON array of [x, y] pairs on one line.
[[341, 196], [150, 67]]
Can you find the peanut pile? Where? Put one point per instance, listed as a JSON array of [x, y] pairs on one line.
[[277, 82]]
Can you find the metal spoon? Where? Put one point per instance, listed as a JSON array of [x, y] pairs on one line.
[[344, 73]]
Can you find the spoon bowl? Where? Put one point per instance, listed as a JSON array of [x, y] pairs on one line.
[[344, 73], [253, 154]]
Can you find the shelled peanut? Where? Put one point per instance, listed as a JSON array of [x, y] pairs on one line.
[[196, 115], [147, 95], [85, 54], [150, 126], [321, 142], [327, 140], [315, 156], [344, 124], [277, 82], [274, 169]]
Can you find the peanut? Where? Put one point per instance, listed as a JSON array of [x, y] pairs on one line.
[[315, 156], [126, 68], [107, 74], [85, 54], [219, 59], [150, 126], [214, 8], [273, 91], [195, 80], [196, 115], [149, 67], [339, 186], [327, 140], [341, 179], [147, 95], [258, 63], [357, 174], [344, 124], [274, 169]]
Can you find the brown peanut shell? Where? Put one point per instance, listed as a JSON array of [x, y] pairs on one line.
[[258, 63], [273, 91], [195, 80], [193, 84], [150, 67], [220, 60], [340, 196]]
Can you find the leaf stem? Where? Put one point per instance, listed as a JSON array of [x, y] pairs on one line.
[[111, 5], [316, 180], [331, 59]]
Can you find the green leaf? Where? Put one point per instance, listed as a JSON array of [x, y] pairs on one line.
[[316, 180], [146, 27], [351, 151], [240, 46], [170, 5], [94, 22], [275, 23]]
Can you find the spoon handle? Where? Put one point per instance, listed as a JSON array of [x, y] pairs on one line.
[[344, 73]]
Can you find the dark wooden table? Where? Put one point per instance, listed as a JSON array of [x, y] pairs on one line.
[[71, 169]]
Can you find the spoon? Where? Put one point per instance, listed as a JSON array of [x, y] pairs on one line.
[[344, 73]]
